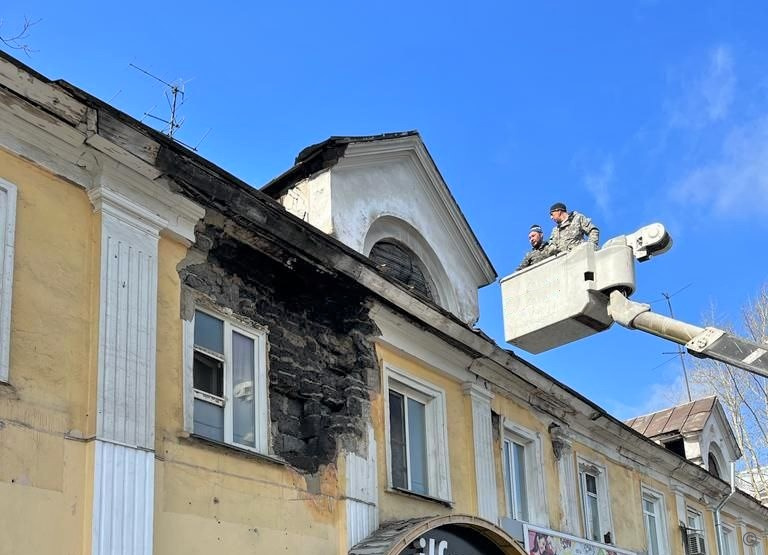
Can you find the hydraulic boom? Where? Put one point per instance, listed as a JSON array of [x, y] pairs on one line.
[[576, 294]]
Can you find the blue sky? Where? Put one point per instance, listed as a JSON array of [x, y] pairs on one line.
[[631, 112]]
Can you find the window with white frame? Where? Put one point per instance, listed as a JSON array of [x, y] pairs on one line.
[[595, 502], [228, 378], [654, 517], [418, 442], [695, 543], [523, 483], [7, 234]]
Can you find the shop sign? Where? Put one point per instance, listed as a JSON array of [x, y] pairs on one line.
[[540, 541], [452, 540]]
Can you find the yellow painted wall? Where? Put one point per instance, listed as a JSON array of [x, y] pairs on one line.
[[212, 499], [395, 505], [43, 480]]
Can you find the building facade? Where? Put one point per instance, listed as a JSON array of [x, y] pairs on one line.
[[192, 365]]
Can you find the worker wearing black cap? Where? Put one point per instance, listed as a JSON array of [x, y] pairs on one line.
[[571, 229], [540, 249]]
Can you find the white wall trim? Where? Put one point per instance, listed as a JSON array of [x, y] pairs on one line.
[[362, 493], [124, 209], [569, 492], [8, 196], [485, 464], [188, 353], [123, 500], [127, 329], [662, 516], [438, 454], [415, 343], [91, 161], [258, 334], [125, 390], [538, 513], [603, 497]]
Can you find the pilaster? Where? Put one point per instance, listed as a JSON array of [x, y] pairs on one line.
[[485, 468], [569, 488], [362, 493], [123, 494]]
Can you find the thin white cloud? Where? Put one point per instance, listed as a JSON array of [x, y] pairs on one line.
[[736, 180], [719, 84], [707, 95], [598, 183]]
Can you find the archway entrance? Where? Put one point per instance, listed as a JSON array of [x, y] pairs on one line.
[[447, 535]]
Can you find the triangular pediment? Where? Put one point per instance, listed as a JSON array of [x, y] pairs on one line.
[[365, 190], [697, 430]]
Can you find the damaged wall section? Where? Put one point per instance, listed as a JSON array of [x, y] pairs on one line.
[[321, 357]]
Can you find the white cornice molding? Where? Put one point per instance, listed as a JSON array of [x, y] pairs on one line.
[[90, 163], [477, 392], [55, 99], [420, 345], [179, 213], [121, 207]]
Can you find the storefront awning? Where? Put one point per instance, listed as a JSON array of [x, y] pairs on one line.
[[442, 535]]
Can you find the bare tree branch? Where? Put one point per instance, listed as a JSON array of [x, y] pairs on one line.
[[18, 41], [744, 397]]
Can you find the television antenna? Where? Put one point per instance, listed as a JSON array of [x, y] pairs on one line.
[[174, 94]]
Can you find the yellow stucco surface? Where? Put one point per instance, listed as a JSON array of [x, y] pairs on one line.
[[43, 477]]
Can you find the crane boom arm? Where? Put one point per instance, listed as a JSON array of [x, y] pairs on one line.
[[700, 342]]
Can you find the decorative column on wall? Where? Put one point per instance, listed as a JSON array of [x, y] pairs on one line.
[[485, 468], [569, 485], [362, 493], [123, 494]]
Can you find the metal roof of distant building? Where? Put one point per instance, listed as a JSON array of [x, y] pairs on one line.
[[688, 417]]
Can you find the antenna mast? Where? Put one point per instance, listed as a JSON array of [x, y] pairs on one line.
[[680, 351], [175, 96]]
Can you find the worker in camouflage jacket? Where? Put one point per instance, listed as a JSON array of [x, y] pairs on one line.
[[540, 249], [571, 229]]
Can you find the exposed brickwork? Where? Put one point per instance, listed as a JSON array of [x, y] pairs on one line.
[[321, 358]]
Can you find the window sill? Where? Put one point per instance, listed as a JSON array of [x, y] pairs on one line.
[[234, 449], [423, 497]]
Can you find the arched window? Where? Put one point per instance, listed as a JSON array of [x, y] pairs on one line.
[[399, 262], [712, 465]]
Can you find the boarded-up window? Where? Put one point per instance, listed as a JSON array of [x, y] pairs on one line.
[[399, 262]]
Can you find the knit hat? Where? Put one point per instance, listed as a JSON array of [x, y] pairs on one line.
[[557, 206], [536, 228]]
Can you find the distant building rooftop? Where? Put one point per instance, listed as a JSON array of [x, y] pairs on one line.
[[689, 417]]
